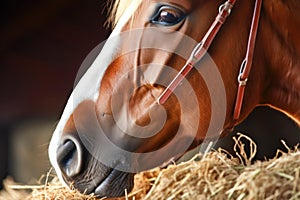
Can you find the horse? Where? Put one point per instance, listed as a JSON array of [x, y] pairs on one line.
[[145, 101]]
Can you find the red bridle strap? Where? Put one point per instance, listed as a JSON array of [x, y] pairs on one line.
[[199, 51], [247, 63]]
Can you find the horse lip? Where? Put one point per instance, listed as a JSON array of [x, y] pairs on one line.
[[92, 185], [104, 185], [100, 189]]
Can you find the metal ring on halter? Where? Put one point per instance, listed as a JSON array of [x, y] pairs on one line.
[[225, 6]]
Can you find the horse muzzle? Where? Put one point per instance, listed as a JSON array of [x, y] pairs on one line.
[[99, 151], [87, 174]]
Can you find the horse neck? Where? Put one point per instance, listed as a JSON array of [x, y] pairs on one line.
[[280, 24]]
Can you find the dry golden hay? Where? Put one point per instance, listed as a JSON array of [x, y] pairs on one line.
[[216, 175]]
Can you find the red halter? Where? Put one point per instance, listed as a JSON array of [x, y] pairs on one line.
[[200, 50]]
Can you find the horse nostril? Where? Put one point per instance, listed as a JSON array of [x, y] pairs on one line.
[[69, 158]]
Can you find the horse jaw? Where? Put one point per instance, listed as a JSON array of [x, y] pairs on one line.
[[281, 59]]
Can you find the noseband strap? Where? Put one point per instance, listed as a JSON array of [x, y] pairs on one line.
[[200, 50]]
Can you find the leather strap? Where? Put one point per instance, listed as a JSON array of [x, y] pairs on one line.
[[200, 50], [247, 63]]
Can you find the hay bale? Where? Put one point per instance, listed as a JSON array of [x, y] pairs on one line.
[[216, 175]]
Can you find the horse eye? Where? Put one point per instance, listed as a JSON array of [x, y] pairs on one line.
[[168, 16]]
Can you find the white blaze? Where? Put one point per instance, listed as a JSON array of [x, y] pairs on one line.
[[88, 86]]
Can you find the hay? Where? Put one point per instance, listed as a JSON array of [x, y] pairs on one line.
[[216, 175]]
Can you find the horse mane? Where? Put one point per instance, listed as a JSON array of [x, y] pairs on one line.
[[116, 8]]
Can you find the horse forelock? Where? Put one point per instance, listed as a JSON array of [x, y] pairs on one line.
[[116, 9]]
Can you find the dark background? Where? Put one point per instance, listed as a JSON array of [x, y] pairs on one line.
[[42, 44]]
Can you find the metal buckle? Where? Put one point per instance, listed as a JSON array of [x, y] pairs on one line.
[[242, 82], [193, 57], [225, 6]]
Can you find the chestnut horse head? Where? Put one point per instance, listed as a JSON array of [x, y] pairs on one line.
[[124, 116]]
